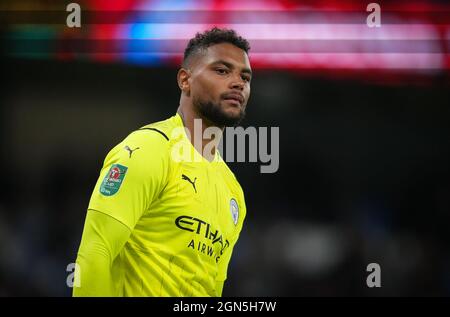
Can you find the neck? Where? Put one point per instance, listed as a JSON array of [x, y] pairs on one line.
[[205, 144]]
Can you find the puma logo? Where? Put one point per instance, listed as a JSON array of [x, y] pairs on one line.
[[189, 180], [130, 150]]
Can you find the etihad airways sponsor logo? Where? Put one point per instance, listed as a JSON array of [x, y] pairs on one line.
[[211, 242]]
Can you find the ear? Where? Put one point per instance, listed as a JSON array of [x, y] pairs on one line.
[[183, 80]]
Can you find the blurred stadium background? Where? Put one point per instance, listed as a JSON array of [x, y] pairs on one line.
[[364, 117]]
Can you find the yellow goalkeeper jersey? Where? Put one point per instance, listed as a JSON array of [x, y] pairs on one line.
[[185, 213]]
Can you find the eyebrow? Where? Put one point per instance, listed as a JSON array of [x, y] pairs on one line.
[[229, 65]]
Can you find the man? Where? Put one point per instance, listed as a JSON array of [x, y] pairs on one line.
[[160, 223]]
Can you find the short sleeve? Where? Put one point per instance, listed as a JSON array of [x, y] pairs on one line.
[[132, 177]]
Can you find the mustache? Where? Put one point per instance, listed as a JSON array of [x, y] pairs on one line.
[[233, 95]]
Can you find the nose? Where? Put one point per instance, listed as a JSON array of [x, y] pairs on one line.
[[237, 83]]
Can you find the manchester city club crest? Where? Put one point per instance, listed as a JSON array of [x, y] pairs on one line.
[[234, 208]]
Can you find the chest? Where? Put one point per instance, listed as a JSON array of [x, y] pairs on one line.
[[204, 193], [197, 211]]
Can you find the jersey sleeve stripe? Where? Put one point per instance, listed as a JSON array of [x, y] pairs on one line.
[[153, 129]]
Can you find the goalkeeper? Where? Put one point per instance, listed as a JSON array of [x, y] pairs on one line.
[[158, 225]]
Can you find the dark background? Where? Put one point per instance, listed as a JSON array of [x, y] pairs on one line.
[[364, 177]]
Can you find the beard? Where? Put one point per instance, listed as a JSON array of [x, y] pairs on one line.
[[214, 113]]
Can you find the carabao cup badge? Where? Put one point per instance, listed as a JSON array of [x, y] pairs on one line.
[[113, 180]]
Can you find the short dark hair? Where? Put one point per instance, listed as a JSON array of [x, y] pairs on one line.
[[208, 38]]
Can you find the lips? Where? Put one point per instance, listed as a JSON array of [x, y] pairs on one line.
[[237, 98]]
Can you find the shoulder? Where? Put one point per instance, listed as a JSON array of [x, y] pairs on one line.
[[155, 134], [145, 143], [164, 128]]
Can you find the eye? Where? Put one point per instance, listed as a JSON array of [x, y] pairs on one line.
[[221, 71], [245, 78]]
